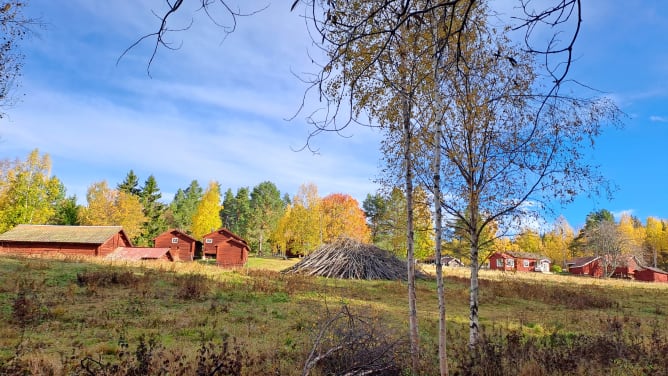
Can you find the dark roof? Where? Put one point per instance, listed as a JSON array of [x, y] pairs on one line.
[[61, 234], [581, 261], [137, 253]]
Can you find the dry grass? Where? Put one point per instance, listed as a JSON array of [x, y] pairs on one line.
[[54, 313]]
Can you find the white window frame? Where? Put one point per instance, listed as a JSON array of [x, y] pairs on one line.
[[208, 241], [499, 263], [175, 240], [510, 262], [525, 263]]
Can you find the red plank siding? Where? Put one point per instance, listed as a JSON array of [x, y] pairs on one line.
[[185, 247], [229, 249]]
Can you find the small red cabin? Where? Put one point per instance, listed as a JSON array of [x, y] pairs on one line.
[[63, 240], [591, 266], [229, 249], [649, 274], [626, 267], [519, 261], [182, 246]]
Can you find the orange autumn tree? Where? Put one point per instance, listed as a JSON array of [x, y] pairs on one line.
[[343, 217]]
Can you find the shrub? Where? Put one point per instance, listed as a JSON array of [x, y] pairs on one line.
[[192, 286]]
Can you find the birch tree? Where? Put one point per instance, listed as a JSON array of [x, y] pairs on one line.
[[111, 207], [29, 194], [510, 146], [207, 215]]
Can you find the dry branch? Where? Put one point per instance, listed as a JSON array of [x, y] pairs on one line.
[[350, 259]]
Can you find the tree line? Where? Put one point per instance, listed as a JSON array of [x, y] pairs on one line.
[[270, 221], [275, 223]]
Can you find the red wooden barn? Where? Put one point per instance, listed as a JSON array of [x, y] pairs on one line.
[[649, 274], [519, 261], [140, 254], [183, 246], [227, 248], [63, 240], [626, 266], [590, 265]]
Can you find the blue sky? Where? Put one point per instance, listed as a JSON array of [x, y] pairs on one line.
[[216, 110]]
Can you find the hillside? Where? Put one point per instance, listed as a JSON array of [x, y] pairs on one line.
[[75, 316]]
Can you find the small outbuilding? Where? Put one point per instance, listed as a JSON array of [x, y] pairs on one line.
[[451, 261], [229, 249], [182, 246], [590, 265], [626, 267], [140, 254], [63, 240], [650, 274]]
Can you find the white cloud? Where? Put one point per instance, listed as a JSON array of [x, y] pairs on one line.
[[619, 213], [658, 119]]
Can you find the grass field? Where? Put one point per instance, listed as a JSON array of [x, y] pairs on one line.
[[75, 316]]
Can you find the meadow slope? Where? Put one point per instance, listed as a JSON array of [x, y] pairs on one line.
[[87, 316]]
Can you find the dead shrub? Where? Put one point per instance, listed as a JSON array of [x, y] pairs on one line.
[[107, 278], [348, 344], [192, 286], [27, 306]]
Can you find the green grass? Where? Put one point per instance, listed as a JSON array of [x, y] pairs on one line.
[[72, 309]]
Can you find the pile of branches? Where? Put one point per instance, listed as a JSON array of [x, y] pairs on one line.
[[351, 259]]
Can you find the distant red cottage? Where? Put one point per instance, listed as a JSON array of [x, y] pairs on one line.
[[140, 254], [63, 240], [591, 266], [626, 267], [649, 274], [519, 261], [183, 246], [227, 248]]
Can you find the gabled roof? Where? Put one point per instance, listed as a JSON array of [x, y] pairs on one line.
[[624, 260], [581, 261], [61, 234], [229, 234], [177, 231], [450, 259], [137, 253], [655, 270]]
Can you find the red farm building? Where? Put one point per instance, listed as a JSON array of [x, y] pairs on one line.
[[183, 246], [649, 274], [519, 261], [626, 267], [140, 254], [63, 240], [229, 249], [591, 266]]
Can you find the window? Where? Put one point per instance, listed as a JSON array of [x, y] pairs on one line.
[[175, 240], [525, 263], [209, 241], [510, 262], [499, 263]]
